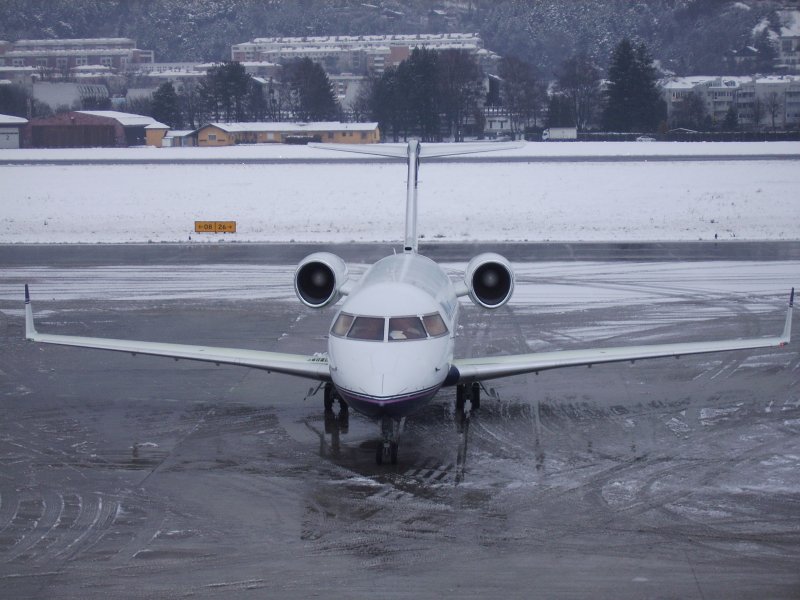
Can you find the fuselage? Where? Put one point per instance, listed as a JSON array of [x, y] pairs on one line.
[[391, 345]]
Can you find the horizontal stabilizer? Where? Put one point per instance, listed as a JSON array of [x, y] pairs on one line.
[[426, 150], [439, 150], [376, 149]]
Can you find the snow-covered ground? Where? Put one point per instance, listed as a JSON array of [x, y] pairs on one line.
[[330, 202]]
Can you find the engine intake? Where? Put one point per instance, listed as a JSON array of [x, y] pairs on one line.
[[319, 278], [490, 280]]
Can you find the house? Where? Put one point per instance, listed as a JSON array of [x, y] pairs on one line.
[[228, 134], [86, 129], [9, 130]]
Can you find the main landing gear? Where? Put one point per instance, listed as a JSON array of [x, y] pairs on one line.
[[335, 423], [386, 450], [467, 391]]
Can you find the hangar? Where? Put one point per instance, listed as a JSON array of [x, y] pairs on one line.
[[9, 130], [88, 129]]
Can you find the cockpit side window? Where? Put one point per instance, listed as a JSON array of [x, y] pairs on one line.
[[406, 328], [367, 328], [435, 325], [342, 324]]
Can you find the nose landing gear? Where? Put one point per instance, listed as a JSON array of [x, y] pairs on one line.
[[386, 450]]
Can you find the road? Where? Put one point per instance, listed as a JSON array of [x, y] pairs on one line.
[[141, 477]]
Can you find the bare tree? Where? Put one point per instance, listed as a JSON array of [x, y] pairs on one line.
[[459, 89], [579, 82], [521, 93], [773, 105], [758, 112], [690, 112]]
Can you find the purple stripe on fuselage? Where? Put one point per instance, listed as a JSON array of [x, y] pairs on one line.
[[392, 406]]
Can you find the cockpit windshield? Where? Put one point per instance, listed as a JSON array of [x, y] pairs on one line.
[[400, 328], [367, 328], [406, 328]]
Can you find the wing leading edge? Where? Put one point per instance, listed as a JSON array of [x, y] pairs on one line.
[[310, 367], [480, 369]]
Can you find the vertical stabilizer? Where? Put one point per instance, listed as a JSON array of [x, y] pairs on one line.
[[410, 244], [30, 328], [412, 154]]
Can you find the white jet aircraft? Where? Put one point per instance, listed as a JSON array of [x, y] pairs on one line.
[[390, 348]]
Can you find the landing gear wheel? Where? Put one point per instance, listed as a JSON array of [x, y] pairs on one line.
[[328, 398], [379, 454], [475, 396], [460, 398], [393, 453]]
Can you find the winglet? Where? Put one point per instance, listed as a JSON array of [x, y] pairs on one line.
[[30, 328], [786, 336]]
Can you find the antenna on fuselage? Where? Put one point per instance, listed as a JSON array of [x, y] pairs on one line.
[[412, 153]]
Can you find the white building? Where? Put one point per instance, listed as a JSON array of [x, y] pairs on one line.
[[789, 41], [751, 97], [362, 55]]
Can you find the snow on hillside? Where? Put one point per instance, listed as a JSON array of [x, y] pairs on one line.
[[325, 201]]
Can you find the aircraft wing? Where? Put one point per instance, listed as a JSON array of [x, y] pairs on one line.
[[480, 369], [310, 367]]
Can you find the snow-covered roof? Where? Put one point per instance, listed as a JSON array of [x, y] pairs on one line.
[[12, 120], [124, 119], [294, 127], [156, 125], [179, 132], [790, 21], [98, 68]]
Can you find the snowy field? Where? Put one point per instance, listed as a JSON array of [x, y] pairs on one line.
[[659, 200]]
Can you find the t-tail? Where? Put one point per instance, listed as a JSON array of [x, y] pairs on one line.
[[412, 153]]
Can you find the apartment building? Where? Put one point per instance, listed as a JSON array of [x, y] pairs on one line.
[[789, 41], [65, 55], [361, 55], [758, 100]]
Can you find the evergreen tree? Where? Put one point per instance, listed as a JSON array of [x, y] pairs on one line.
[[633, 101], [308, 92], [165, 107], [424, 102], [560, 111], [390, 102], [224, 92], [766, 54], [14, 100], [731, 121]]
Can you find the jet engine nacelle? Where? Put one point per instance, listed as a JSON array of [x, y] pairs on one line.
[[319, 278], [490, 280]]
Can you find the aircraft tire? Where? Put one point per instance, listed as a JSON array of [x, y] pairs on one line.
[[475, 396], [460, 397]]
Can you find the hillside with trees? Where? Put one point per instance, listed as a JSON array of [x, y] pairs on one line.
[[684, 36]]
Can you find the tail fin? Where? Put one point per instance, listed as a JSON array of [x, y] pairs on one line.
[[786, 336], [30, 328], [412, 153]]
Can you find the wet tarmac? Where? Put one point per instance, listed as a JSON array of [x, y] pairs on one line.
[[140, 477]]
